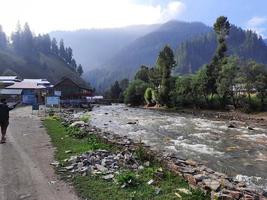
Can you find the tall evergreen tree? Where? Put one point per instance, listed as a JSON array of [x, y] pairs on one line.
[[62, 51], [73, 64], [222, 28], [165, 63], [16, 38], [3, 39], [54, 47], [80, 69], [27, 40], [68, 55]]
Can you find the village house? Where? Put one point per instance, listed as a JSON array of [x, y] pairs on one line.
[[33, 91], [71, 92], [8, 80]]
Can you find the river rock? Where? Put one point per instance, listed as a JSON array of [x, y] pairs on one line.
[[212, 184], [131, 123], [190, 179], [108, 177], [231, 126], [77, 124]]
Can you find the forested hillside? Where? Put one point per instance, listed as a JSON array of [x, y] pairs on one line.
[[192, 54], [94, 46], [144, 50], [32, 56]]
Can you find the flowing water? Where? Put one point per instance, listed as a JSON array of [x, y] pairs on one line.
[[238, 152]]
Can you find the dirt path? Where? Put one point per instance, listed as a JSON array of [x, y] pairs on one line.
[[25, 171]]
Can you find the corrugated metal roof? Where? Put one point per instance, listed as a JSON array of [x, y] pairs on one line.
[[39, 81], [7, 78], [26, 85], [10, 91]]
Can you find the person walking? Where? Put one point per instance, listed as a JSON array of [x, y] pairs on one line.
[[4, 118]]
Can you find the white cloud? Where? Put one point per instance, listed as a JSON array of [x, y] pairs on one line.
[[173, 10], [256, 21], [257, 24], [48, 15]]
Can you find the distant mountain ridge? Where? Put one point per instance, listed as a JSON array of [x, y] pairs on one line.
[[143, 50], [92, 46], [192, 54], [115, 54]]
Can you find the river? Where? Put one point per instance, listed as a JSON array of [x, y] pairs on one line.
[[238, 152]]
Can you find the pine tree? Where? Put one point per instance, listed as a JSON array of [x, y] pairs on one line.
[[80, 69], [165, 63], [68, 55], [27, 41], [54, 47], [16, 38], [62, 52], [3, 39], [222, 28]]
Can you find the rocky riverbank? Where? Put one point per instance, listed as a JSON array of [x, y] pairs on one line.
[[250, 120], [219, 185]]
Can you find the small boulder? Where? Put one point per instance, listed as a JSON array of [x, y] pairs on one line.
[[77, 124]]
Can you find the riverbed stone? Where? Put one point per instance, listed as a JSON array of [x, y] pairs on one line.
[[212, 184], [77, 124], [190, 179]]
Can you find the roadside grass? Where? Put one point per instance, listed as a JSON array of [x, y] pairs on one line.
[[164, 187], [66, 145]]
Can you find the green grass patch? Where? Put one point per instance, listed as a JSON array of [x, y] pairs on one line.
[[64, 142], [165, 185]]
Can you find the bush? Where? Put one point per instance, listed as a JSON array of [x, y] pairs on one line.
[[85, 118], [134, 94], [127, 179], [76, 132]]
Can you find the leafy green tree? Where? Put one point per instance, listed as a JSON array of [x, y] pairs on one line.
[[142, 74], [134, 94], [149, 96], [165, 63], [254, 79], [3, 39], [227, 80], [124, 83], [115, 91]]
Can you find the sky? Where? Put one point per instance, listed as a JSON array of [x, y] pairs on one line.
[[49, 15]]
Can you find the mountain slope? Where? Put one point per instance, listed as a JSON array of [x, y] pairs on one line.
[[49, 66], [143, 50], [265, 41], [93, 46], [192, 54]]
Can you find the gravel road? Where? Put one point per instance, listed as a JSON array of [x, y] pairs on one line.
[[25, 171]]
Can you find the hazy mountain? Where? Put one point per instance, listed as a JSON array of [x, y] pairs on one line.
[[265, 40], [194, 53], [46, 66], [92, 47], [143, 50]]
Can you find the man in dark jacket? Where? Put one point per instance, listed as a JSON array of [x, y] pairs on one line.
[[4, 118]]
